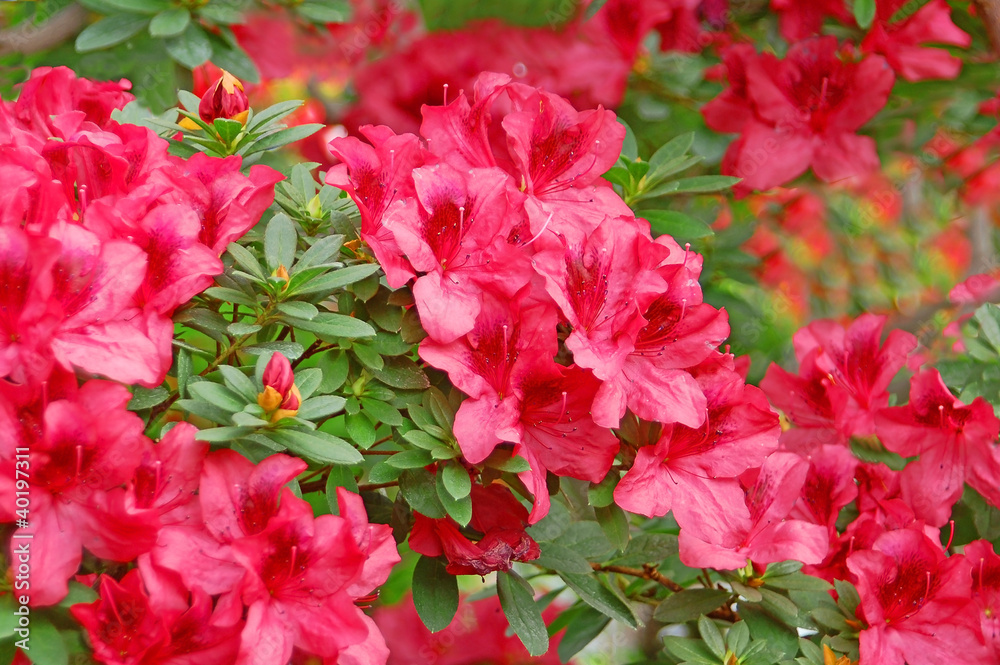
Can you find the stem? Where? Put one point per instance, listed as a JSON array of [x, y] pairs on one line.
[[989, 12], [649, 572]]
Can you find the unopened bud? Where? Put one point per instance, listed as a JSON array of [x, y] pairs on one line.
[[225, 99], [270, 399], [279, 375]]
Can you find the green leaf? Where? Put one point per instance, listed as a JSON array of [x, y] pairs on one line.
[[647, 548], [383, 473], [523, 615], [282, 138], [864, 13], [360, 429], [704, 183], [459, 510], [798, 581], [671, 150], [614, 522], [381, 412], [338, 279], [277, 112], [190, 48], [318, 446], [222, 434], [298, 309], [456, 480], [239, 383], [331, 327], [738, 637], [368, 356], [230, 56], [630, 149], [146, 398], [603, 493], [109, 31], [410, 459], [712, 636], [47, 646], [170, 22], [401, 372], [325, 12], [231, 296], [435, 593], [419, 488], [562, 559], [782, 639], [321, 406], [246, 260], [676, 224], [227, 130], [988, 317], [594, 593], [689, 650], [217, 394], [587, 539], [848, 598], [290, 350], [586, 625], [280, 240], [687, 605]]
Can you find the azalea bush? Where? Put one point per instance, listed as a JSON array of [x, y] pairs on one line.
[[617, 332]]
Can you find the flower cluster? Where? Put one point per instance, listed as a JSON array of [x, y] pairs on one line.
[[915, 599], [520, 255], [103, 235]]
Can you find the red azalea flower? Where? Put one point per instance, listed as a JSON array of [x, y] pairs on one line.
[[455, 234], [902, 42], [985, 566], [916, 602], [52, 91], [167, 476], [806, 110], [956, 444], [84, 447], [375, 176], [498, 516], [740, 430], [729, 526]]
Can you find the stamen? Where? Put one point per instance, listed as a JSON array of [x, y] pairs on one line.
[[684, 304], [446, 94], [541, 231], [562, 408], [81, 195], [927, 590], [952, 535], [291, 565], [687, 249], [461, 221], [79, 461], [822, 92]]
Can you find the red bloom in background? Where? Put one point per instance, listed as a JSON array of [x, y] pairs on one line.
[[478, 634], [957, 444], [803, 18], [843, 380], [916, 602], [902, 42], [497, 516], [801, 112]]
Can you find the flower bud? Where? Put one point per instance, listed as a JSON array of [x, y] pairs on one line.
[[225, 99], [278, 375], [289, 406], [270, 399]]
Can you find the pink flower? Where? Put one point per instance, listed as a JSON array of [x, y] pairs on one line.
[[956, 444], [915, 601], [53, 91], [902, 42], [806, 110]]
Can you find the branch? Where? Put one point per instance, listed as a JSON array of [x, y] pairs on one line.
[[649, 572], [26, 37], [989, 12]]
